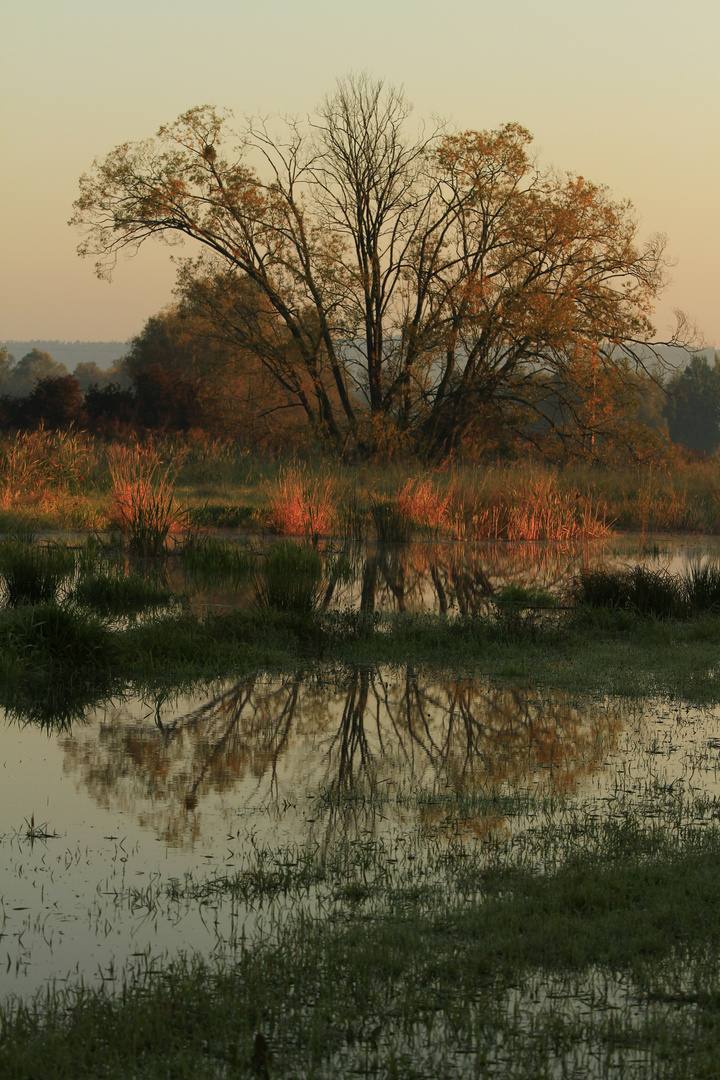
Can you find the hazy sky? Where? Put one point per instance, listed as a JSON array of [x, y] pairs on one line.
[[624, 92]]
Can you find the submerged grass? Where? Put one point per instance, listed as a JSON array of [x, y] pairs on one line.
[[589, 945], [603, 960]]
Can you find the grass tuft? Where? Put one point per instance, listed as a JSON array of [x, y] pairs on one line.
[[31, 573], [391, 522], [300, 507], [143, 505], [290, 579]]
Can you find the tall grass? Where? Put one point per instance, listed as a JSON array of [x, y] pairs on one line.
[[290, 579], [41, 470], [143, 505], [300, 506], [649, 591], [527, 505], [33, 574], [391, 522], [420, 500]]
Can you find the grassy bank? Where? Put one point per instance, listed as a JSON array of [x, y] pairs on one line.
[[68, 481]]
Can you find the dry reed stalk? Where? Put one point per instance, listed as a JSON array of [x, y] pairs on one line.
[[41, 467], [142, 504], [422, 503], [299, 507]]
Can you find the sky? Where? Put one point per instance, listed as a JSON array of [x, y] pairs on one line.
[[623, 92]]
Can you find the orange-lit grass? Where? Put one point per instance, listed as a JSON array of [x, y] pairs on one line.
[[142, 504], [302, 507], [40, 468], [423, 503], [531, 508]]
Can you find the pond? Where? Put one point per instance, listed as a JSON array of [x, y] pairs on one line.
[[148, 816], [112, 834]]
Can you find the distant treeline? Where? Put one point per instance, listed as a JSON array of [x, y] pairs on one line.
[[175, 377], [72, 353]]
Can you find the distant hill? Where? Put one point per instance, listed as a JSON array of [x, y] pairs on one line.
[[72, 353]]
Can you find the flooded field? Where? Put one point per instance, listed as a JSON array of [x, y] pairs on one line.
[[206, 819]]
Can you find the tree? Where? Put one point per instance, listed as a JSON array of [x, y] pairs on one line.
[[33, 367], [391, 283], [89, 374], [111, 409], [6, 364], [693, 405], [55, 402]]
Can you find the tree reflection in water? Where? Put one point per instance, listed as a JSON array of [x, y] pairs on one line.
[[439, 577], [367, 739]]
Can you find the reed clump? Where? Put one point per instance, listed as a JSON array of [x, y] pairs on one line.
[[43, 470], [651, 592], [120, 593], [290, 579], [423, 503], [216, 562], [143, 506], [31, 573], [300, 506], [391, 522], [529, 507]]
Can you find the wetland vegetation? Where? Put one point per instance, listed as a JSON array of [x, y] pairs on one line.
[[459, 794]]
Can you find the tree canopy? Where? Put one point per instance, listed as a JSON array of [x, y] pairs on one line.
[[395, 285], [692, 407]]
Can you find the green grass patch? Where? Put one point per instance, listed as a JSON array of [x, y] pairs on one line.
[[32, 573], [515, 974], [120, 593]]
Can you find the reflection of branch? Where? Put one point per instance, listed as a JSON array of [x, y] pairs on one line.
[[464, 733]]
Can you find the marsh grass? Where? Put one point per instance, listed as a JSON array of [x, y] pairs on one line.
[[57, 633], [143, 505], [57, 662], [423, 503], [32, 573], [301, 505], [651, 592], [391, 522], [701, 586], [507, 961], [352, 517], [290, 579], [216, 562], [61, 478], [40, 468], [120, 593]]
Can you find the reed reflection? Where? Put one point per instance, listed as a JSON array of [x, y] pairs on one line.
[[369, 740], [438, 577]]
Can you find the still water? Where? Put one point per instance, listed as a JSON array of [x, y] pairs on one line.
[[99, 825]]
